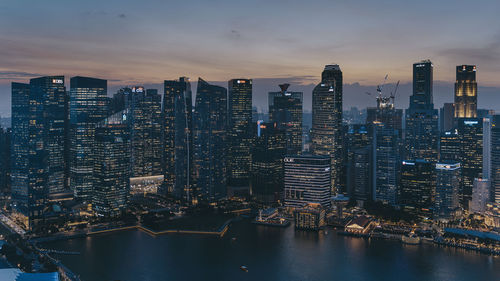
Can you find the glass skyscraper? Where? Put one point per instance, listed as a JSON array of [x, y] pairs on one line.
[[177, 139], [240, 132], [417, 186], [210, 140], [448, 175], [470, 131], [88, 106], [495, 159], [326, 130]]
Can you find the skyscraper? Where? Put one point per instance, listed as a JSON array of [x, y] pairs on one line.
[[480, 195], [240, 137], [307, 180], [112, 165], [448, 176], [495, 159], [470, 131], [5, 137], [466, 92], [421, 118], [285, 109], [417, 186], [450, 146], [88, 106], [268, 151], [358, 166], [177, 139], [327, 121], [146, 130], [447, 117], [210, 140]]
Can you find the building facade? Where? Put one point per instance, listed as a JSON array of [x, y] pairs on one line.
[[466, 92], [448, 176]]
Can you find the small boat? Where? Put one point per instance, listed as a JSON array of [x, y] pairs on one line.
[[233, 239], [244, 268]]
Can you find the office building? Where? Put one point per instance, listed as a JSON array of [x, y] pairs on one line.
[[495, 159], [386, 163], [307, 180], [470, 131], [448, 175], [268, 150], [177, 139], [487, 125], [447, 117], [240, 132], [112, 165], [326, 130], [358, 161], [285, 109], [88, 106], [417, 186], [421, 134], [450, 146], [466, 92], [480, 195], [210, 141], [5, 143]]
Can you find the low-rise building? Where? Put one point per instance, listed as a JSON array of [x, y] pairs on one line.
[[359, 225], [310, 217]]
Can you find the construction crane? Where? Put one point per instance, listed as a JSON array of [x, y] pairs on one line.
[[379, 87], [393, 94]]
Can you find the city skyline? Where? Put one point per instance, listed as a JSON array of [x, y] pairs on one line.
[[108, 40]]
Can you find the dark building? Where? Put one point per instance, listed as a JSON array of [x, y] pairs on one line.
[[358, 161], [326, 130], [448, 175], [88, 106], [177, 139], [210, 140], [417, 186], [450, 146], [421, 130], [470, 131], [285, 109], [5, 143], [112, 165], [240, 131], [495, 159], [447, 117], [268, 151], [466, 92], [146, 132], [307, 180]]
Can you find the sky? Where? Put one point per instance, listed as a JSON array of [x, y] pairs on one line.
[[145, 42]]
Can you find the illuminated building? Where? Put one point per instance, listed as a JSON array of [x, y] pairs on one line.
[[448, 175], [326, 130], [311, 216], [285, 109], [240, 131], [177, 139], [480, 195], [307, 180], [146, 130], [358, 162], [210, 140], [421, 133], [449, 146], [466, 92], [386, 163], [470, 131], [88, 106], [111, 165], [495, 159], [417, 186], [268, 151], [5, 143]]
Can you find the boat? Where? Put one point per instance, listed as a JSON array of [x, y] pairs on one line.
[[411, 239], [244, 268]]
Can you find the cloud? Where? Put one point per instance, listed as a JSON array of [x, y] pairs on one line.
[[122, 16], [481, 55], [234, 34], [17, 74]]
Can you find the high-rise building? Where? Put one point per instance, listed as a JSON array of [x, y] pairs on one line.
[[386, 163], [417, 186], [358, 166], [307, 180], [449, 146], [88, 106], [447, 117], [268, 151], [466, 92], [112, 165], [448, 175], [177, 139], [5, 143], [487, 122], [146, 130], [421, 118], [210, 140], [480, 195], [326, 130], [240, 131], [495, 159], [285, 109], [470, 131]]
